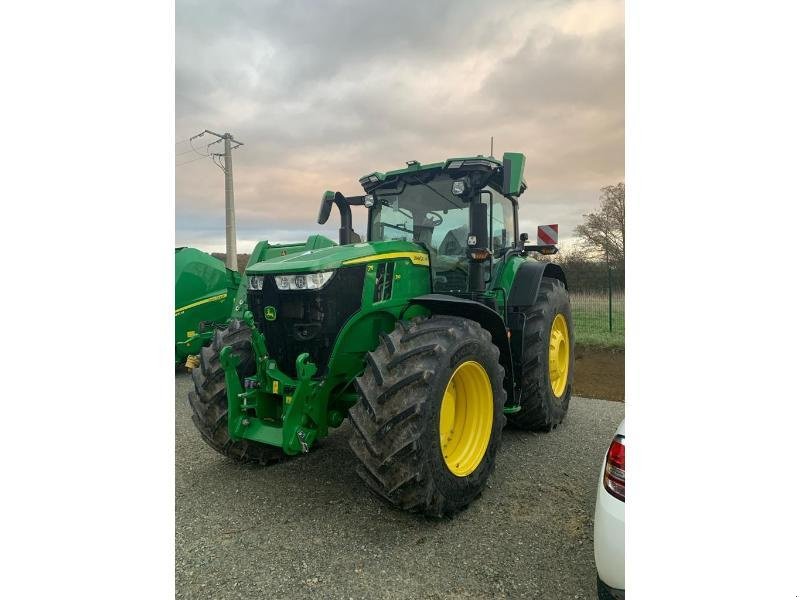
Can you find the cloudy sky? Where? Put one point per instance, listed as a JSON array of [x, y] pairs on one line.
[[322, 93]]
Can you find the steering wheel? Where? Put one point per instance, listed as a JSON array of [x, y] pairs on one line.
[[436, 218]]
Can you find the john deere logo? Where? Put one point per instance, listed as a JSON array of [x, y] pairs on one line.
[[270, 314]]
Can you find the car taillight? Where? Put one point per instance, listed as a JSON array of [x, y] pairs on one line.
[[614, 473]]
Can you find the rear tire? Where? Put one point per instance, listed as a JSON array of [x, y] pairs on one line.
[[396, 424], [209, 400], [542, 408]]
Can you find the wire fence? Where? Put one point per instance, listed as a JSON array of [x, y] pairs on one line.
[[597, 297], [598, 318]]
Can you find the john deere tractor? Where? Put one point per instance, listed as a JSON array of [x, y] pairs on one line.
[[427, 336]]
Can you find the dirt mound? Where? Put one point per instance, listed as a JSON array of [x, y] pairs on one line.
[[599, 373]]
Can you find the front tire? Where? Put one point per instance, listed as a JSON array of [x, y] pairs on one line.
[[209, 400], [428, 426], [547, 361]]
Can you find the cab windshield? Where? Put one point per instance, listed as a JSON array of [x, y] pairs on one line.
[[419, 212], [430, 214]]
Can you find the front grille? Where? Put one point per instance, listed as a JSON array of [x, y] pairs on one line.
[[306, 320]]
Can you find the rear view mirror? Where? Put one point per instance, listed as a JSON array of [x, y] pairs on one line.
[[325, 207], [513, 168]]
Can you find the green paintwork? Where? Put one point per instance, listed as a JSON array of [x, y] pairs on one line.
[[311, 406], [293, 412], [324, 259], [204, 295], [514, 162], [503, 279]]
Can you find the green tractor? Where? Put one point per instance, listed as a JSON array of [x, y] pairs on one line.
[[427, 336]]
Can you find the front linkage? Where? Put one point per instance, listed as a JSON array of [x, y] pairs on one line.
[[272, 408]]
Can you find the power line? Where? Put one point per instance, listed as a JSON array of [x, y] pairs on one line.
[[193, 160], [197, 151]]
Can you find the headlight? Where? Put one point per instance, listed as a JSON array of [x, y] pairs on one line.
[[255, 282], [369, 200], [310, 281]]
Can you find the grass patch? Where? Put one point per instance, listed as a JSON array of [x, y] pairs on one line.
[[600, 341], [590, 320]]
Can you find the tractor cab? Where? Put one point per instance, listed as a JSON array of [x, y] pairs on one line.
[[457, 210], [462, 212]]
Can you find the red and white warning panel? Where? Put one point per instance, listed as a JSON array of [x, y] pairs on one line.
[[547, 235]]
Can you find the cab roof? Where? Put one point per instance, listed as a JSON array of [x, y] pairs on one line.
[[374, 179]]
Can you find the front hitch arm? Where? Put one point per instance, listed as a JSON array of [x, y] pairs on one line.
[[299, 425], [297, 435], [259, 347]]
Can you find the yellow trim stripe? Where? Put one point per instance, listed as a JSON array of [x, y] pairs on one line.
[[416, 258], [199, 302]]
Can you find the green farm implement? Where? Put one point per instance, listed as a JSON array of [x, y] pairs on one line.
[[427, 336], [204, 293]]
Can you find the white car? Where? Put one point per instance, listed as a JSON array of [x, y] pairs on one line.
[[609, 521]]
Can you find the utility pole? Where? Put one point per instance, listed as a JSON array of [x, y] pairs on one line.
[[230, 213]]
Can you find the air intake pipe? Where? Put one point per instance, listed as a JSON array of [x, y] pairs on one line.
[[346, 233]]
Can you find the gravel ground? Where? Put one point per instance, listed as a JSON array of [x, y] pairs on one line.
[[308, 528]]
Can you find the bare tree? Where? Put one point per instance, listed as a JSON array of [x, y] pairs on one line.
[[603, 232]]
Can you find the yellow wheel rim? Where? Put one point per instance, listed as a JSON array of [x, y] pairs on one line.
[[465, 419], [559, 355]]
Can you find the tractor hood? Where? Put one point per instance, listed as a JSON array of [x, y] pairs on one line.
[[334, 257]]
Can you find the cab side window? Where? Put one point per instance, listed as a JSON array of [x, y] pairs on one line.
[[501, 220]]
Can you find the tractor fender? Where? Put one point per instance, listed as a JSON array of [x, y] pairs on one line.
[[527, 279], [489, 319], [523, 295]]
